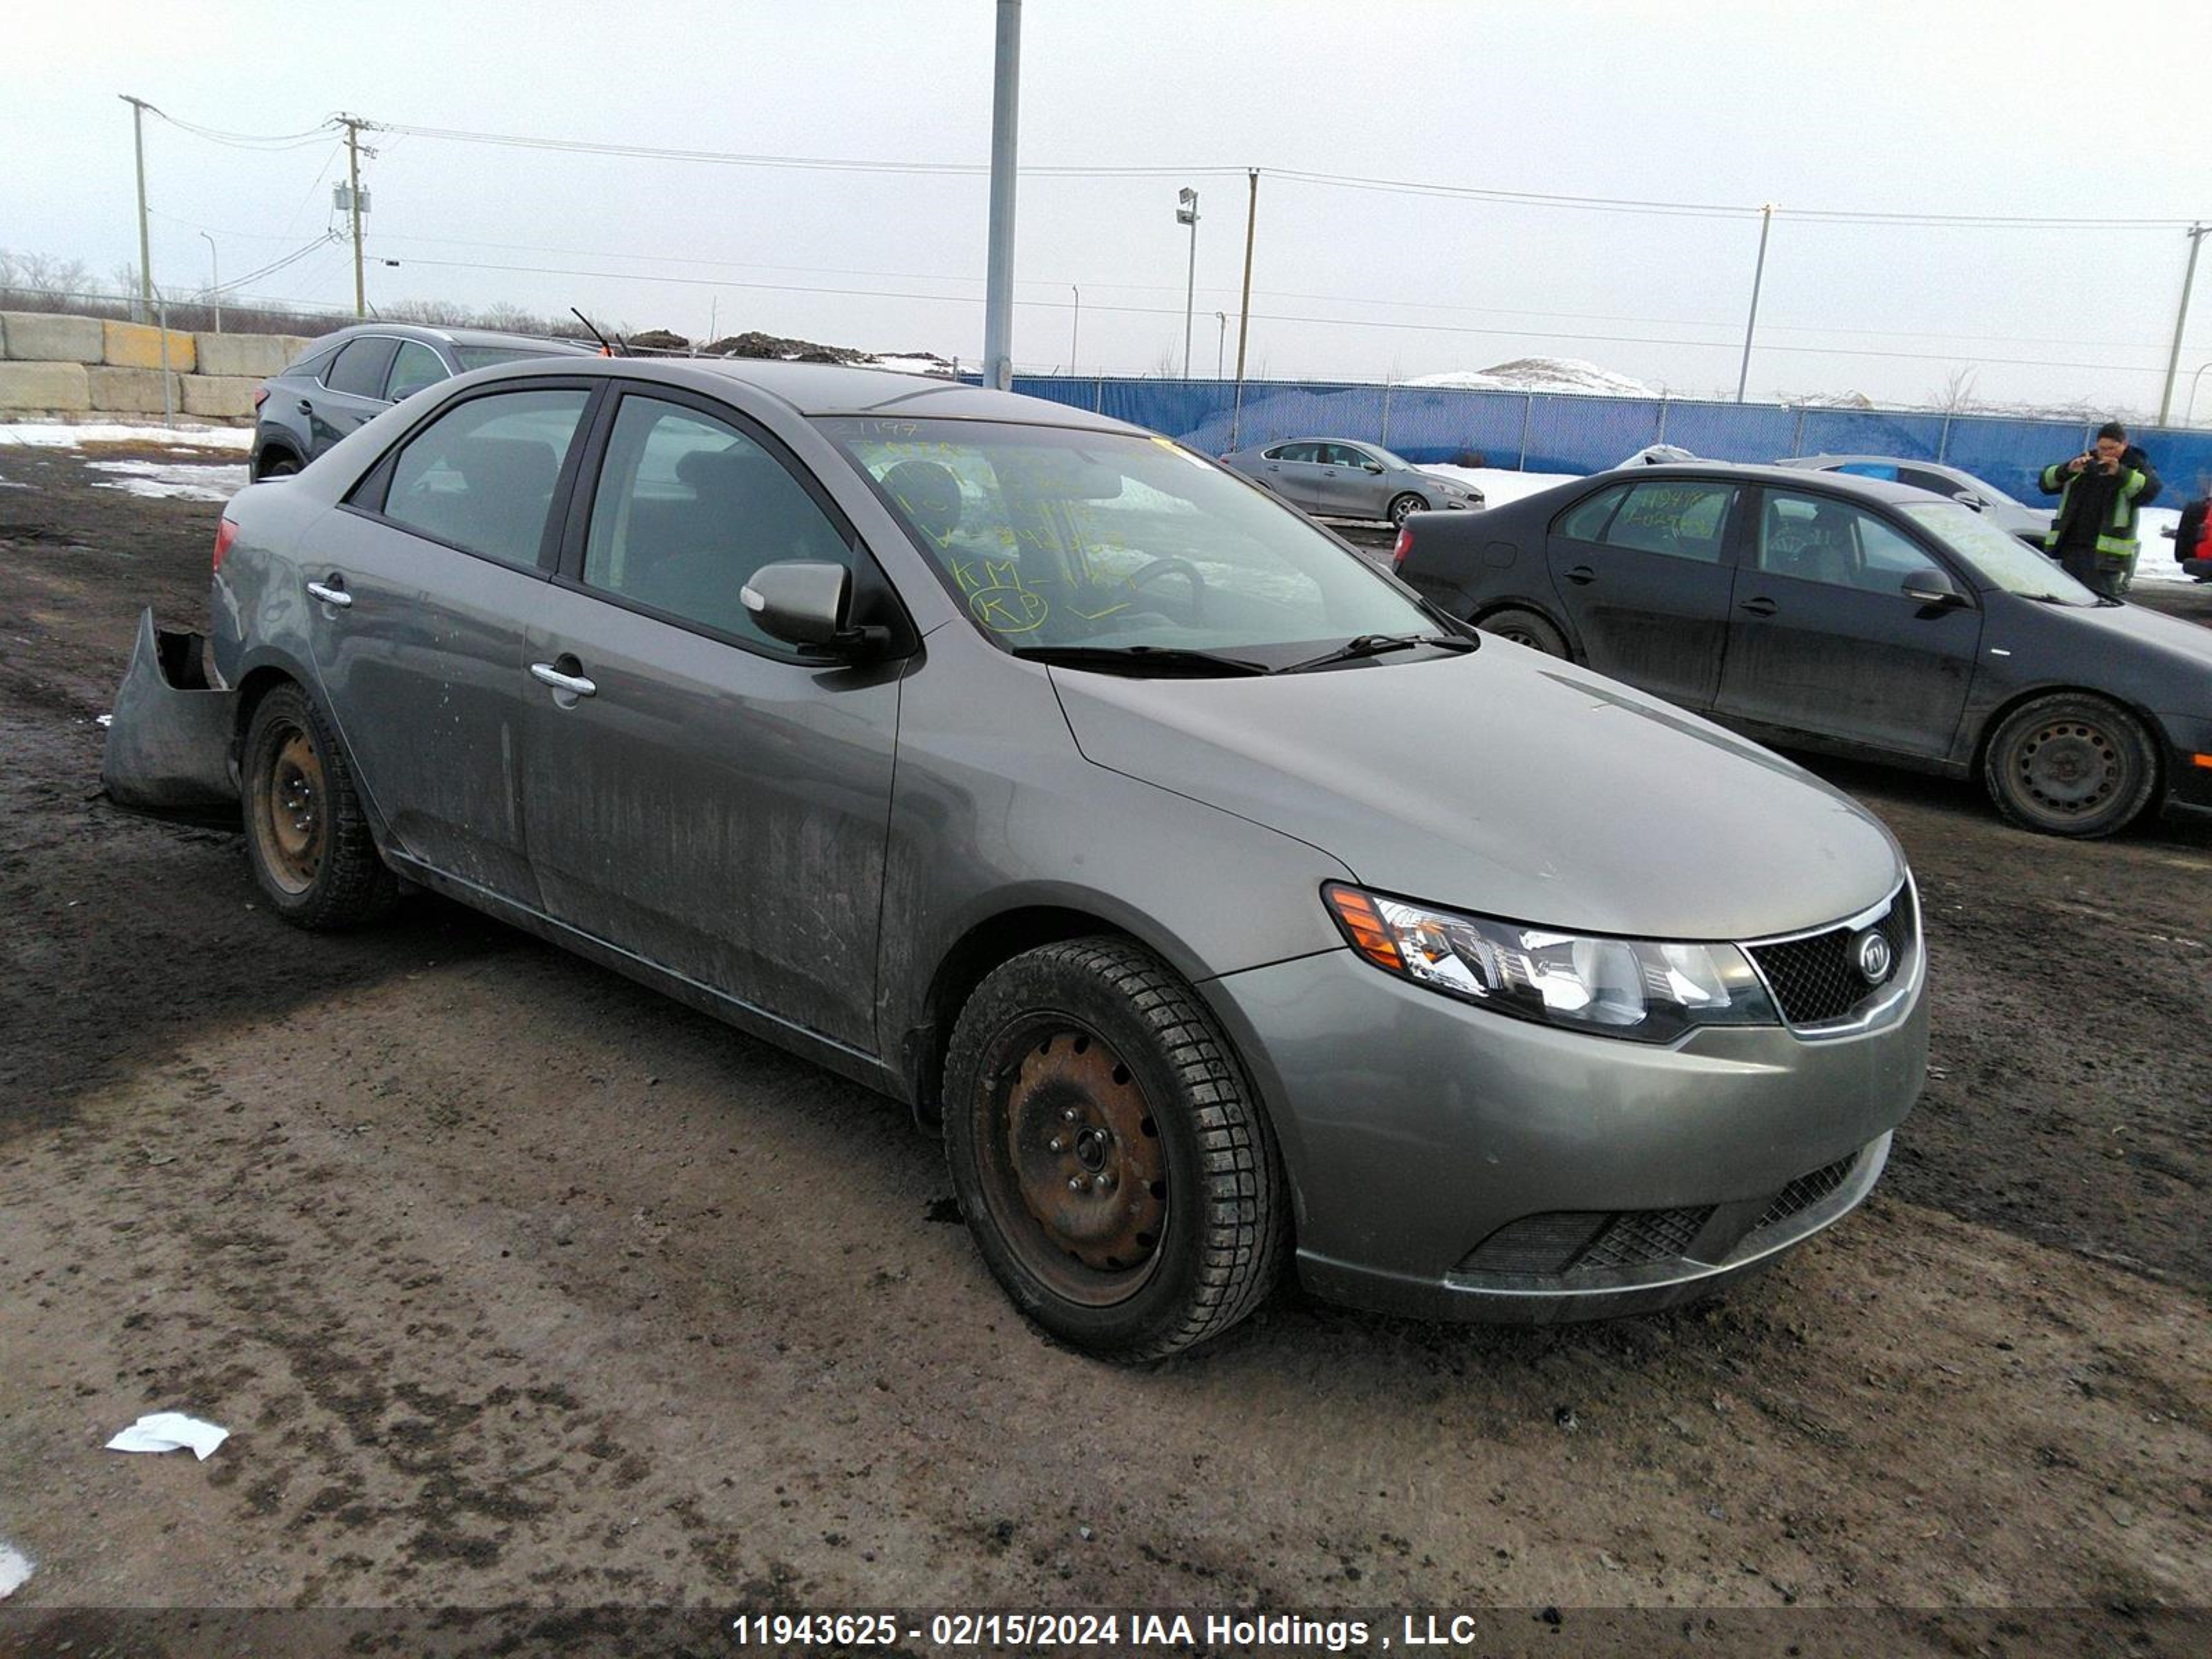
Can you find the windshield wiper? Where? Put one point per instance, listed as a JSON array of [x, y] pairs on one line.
[[1373, 645], [1139, 659]]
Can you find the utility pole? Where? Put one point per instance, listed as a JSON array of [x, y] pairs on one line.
[[998, 277], [1187, 214], [352, 125], [138, 108], [214, 280], [2196, 234], [1244, 313], [1758, 276], [1075, 328]]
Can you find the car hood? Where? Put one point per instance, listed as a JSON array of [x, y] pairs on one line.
[[1442, 481], [1506, 782], [2178, 640]]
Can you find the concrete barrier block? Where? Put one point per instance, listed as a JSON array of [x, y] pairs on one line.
[[58, 386], [258, 355], [296, 346], [221, 395], [138, 345], [131, 391], [35, 337]]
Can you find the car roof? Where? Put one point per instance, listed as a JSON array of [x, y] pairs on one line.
[[1811, 462], [818, 389], [1840, 484], [468, 337]]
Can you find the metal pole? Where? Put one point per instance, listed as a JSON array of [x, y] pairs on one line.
[[1220, 340], [1758, 276], [353, 180], [1188, 214], [138, 108], [214, 280], [1662, 438], [1075, 328], [2180, 321], [1244, 311], [168, 391], [1385, 440], [2191, 416], [998, 279], [1527, 413]]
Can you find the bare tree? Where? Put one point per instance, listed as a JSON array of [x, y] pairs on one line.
[[1956, 395]]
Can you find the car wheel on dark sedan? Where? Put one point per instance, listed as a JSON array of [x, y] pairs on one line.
[[277, 466], [1113, 1164], [1525, 628], [2069, 764], [307, 835], [1403, 507]]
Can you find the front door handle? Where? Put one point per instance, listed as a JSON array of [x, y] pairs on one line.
[[1759, 607], [574, 685], [1582, 575], [305, 408], [332, 592]]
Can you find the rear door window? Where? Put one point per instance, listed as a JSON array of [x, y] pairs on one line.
[[359, 370], [1585, 522], [1676, 518], [482, 476]]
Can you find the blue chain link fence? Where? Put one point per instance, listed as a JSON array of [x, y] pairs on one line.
[[1540, 433]]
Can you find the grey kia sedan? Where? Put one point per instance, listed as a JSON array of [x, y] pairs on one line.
[[922, 729], [1340, 480]]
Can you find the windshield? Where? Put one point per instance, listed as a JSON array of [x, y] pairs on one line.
[[1053, 537], [1386, 457], [1997, 555]]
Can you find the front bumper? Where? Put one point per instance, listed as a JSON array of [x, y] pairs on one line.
[[2188, 784], [1451, 1163]]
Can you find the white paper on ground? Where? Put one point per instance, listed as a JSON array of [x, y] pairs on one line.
[[15, 1569], [163, 1431]]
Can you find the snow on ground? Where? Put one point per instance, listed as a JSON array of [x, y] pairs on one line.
[[1500, 484], [1547, 374], [33, 435], [184, 481]]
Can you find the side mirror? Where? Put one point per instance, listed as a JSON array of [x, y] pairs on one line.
[[806, 603], [1376, 467], [1933, 586]]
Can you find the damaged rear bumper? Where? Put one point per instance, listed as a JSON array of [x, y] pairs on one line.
[[169, 744]]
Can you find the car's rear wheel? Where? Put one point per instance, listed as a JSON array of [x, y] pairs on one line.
[[2071, 764], [1525, 628], [278, 465], [1404, 506], [1116, 1168], [306, 835]]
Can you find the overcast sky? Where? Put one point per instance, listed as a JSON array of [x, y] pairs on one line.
[[2047, 110]]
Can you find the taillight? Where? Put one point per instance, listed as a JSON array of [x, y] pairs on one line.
[[226, 532], [260, 396], [1402, 547]]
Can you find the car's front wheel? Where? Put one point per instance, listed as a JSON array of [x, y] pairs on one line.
[[2071, 764], [1114, 1164], [1525, 628], [1403, 507], [307, 834]]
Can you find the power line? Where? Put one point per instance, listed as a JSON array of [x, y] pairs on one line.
[[245, 140]]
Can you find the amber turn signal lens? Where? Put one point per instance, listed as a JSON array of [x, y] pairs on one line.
[[1355, 914]]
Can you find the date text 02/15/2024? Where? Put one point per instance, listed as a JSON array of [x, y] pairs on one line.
[[1114, 1631]]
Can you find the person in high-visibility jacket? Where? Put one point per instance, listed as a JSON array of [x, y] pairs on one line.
[[2101, 492]]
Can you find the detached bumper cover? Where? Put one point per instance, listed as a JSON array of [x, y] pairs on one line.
[[169, 741]]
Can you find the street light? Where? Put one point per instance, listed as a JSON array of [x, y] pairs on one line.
[[1187, 214], [215, 281], [1220, 340]]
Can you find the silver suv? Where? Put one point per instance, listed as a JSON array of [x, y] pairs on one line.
[[355, 374]]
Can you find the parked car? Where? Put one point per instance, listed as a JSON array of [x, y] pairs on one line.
[[354, 375], [1835, 612], [918, 728], [2015, 517], [1335, 479]]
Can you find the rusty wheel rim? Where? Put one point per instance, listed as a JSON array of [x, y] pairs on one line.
[[289, 810], [1075, 1171]]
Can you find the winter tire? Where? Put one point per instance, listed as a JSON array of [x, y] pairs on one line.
[[1114, 1164], [307, 835], [2071, 764]]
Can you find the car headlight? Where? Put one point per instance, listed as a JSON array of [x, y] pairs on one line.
[[1646, 990]]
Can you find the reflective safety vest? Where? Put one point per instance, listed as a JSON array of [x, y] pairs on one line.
[[2116, 539]]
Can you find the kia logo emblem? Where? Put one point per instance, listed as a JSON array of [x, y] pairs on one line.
[[1872, 955]]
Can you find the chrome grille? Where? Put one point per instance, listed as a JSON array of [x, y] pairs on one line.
[[1815, 980]]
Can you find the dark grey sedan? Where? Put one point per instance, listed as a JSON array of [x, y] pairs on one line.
[[1332, 478], [1836, 612], [1227, 906], [352, 376]]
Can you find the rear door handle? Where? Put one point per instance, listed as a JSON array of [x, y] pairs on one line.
[[305, 408], [1759, 607], [332, 592], [574, 685], [1582, 575]]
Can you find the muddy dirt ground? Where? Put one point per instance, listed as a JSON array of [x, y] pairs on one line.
[[518, 1283]]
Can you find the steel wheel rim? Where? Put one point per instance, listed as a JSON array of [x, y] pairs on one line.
[[288, 810], [2070, 768], [1074, 1172], [1520, 636]]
